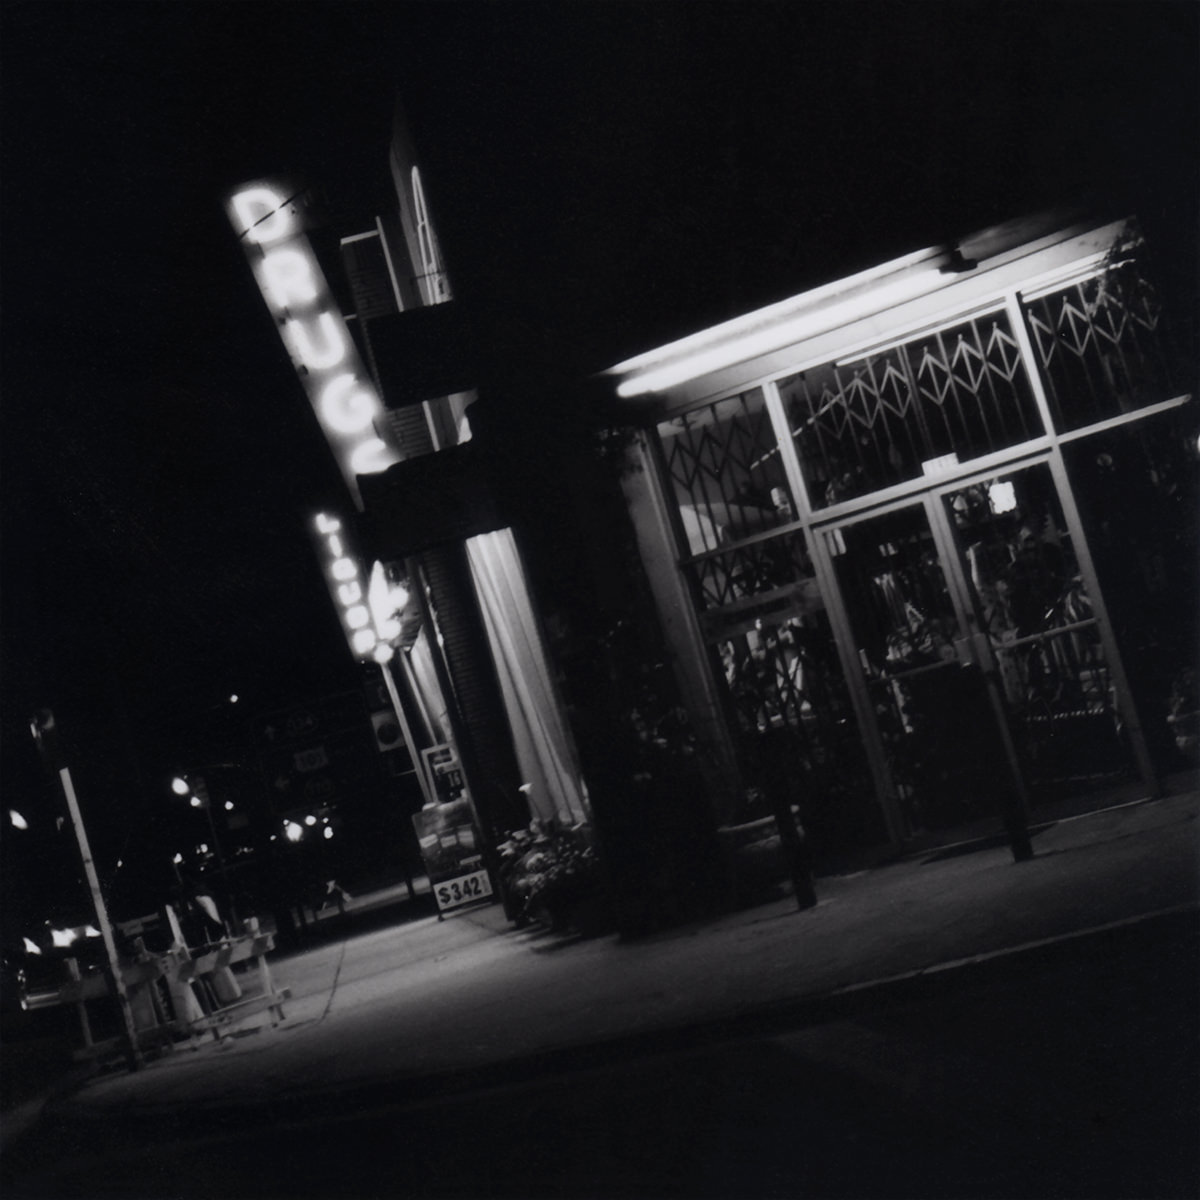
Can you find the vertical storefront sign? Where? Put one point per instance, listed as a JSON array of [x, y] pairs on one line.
[[267, 220]]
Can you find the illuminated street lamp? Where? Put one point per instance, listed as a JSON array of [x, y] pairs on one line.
[[196, 790]]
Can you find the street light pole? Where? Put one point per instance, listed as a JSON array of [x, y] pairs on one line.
[[45, 734]]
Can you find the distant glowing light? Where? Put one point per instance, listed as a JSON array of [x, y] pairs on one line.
[[292, 831], [383, 653], [233, 699], [202, 848], [180, 786], [229, 806], [310, 819], [17, 820], [364, 641], [1002, 496], [62, 938], [328, 831], [31, 947], [177, 859], [195, 802], [90, 931]]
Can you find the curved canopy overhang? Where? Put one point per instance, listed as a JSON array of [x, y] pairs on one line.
[[862, 312]]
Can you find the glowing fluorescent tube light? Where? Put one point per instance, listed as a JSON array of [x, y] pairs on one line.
[[726, 348]]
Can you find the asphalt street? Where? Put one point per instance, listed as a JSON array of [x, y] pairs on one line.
[[1066, 1072], [952, 1024]]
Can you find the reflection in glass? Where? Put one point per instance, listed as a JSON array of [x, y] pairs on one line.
[[1138, 492], [1031, 600], [774, 655], [939, 737]]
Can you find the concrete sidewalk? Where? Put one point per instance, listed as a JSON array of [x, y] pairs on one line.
[[383, 1013]]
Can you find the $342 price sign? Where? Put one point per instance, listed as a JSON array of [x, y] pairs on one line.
[[463, 890]]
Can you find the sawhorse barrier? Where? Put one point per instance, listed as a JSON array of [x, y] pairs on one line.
[[179, 994]]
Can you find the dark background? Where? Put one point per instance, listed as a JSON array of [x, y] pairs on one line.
[[604, 177]]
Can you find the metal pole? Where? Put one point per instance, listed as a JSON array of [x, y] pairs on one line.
[[114, 967], [413, 753]]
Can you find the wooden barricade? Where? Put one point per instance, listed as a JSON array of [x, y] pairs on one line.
[[180, 993]]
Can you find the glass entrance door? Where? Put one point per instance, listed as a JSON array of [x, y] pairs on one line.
[[1021, 576], [943, 742], [985, 664]]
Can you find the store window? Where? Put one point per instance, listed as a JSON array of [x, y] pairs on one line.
[[1138, 491], [725, 472], [1100, 347], [774, 656], [868, 423]]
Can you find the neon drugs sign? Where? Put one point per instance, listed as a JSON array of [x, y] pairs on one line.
[[314, 331]]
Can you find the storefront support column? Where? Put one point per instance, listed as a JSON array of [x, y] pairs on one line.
[[486, 817]]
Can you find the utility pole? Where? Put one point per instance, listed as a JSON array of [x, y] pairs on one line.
[[45, 733]]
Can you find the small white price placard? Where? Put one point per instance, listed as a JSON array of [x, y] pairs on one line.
[[451, 893]]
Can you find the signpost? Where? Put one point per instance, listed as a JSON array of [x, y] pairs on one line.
[[450, 843], [453, 854]]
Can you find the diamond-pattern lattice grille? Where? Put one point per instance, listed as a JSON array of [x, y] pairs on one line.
[[868, 424], [725, 471], [752, 570], [1100, 347]]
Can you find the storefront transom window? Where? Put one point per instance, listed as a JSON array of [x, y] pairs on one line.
[[1099, 347], [867, 423], [724, 467]]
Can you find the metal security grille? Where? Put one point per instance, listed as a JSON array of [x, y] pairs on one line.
[[869, 423], [762, 569], [1100, 347], [723, 464]]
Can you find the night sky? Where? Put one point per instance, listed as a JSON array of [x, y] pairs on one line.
[[603, 177]]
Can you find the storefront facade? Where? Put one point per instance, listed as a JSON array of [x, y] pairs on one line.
[[424, 568], [920, 539]]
